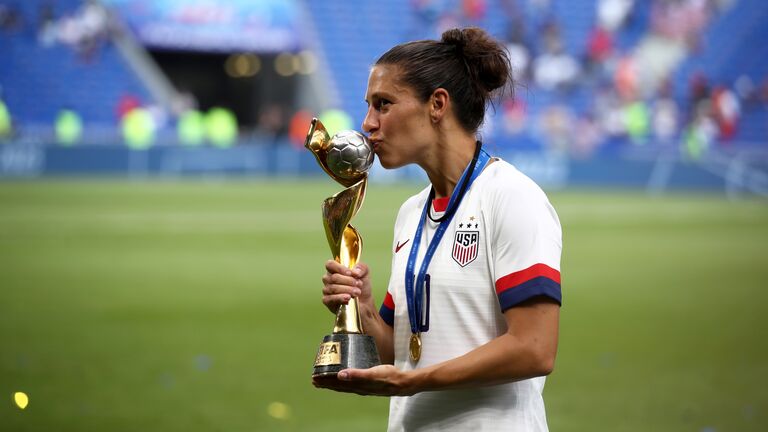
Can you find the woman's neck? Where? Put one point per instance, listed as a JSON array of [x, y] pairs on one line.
[[448, 161]]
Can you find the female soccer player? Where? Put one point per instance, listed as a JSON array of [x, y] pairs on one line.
[[468, 329]]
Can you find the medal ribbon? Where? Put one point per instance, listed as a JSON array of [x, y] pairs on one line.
[[415, 300]]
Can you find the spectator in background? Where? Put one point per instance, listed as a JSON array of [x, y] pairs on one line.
[[680, 20], [726, 110], [473, 10], [183, 101], [763, 92], [636, 120], [46, 24], [555, 69], [608, 112], [550, 34], [87, 30], [556, 124], [272, 123], [221, 127], [746, 91], [519, 50], [698, 89], [587, 137], [160, 115], [10, 18], [6, 126], [298, 127], [625, 78], [612, 14], [126, 104], [190, 128], [666, 115], [138, 127], [514, 115], [336, 120], [699, 134], [599, 51], [69, 127]]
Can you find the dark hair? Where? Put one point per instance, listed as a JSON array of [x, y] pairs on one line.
[[467, 63]]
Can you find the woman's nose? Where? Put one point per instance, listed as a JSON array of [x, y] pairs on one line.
[[370, 123]]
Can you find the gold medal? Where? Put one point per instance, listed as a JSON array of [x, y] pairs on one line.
[[415, 347]]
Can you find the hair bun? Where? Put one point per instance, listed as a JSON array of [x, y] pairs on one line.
[[487, 61], [455, 37]]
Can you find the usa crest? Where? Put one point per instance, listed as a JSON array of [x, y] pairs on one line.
[[465, 247]]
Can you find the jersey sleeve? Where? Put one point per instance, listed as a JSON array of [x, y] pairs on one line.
[[527, 242], [387, 310]]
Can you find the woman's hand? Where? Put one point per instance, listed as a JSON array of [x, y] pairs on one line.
[[383, 380], [340, 284]]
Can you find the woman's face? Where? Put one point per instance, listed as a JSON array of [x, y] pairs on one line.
[[397, 122]]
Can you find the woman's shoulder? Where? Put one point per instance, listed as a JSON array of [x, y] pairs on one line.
[[502, 179], [513, 197]]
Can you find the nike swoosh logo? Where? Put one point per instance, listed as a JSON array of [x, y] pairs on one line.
[[400, 246]]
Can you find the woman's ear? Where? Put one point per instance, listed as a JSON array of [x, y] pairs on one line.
[[439, 102]]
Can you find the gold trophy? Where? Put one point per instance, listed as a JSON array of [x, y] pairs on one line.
[[346, 157]]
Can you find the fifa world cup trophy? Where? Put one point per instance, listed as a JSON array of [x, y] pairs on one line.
[[346, 158]]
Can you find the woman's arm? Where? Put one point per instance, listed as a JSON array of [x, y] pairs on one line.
[[526, 350]]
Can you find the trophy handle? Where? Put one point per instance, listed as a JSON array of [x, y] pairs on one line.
[[338, 210], [348, 315], [346, 246], [351, 247]]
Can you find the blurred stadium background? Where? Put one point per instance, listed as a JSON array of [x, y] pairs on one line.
[[160, 236]]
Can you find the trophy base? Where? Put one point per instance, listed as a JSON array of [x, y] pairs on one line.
[[345, 350]]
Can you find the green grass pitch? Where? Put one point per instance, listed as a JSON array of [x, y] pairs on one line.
[[195, 306]]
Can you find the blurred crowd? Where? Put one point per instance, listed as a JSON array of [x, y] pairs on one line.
[[614, 88], [84, 31]]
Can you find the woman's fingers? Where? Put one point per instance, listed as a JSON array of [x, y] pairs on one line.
[[339, 279], [333, 289], [334, 267], [340, 284], [333, 301], [360, 271]]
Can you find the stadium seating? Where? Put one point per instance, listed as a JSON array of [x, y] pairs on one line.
[[734, 45], [38, 80], [725, 55]]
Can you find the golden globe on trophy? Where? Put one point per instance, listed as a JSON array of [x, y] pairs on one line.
[[346, 158]]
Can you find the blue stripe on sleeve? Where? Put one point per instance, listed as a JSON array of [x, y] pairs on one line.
[[535, 287], [387, 314]]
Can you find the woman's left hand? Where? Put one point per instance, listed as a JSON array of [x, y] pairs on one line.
[[383, 380]]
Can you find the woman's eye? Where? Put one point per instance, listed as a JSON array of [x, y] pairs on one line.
[[384, 103]]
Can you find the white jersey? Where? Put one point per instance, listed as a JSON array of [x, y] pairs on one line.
[[501, 248]]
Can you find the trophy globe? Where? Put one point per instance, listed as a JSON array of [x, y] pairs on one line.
[[350, 154]]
